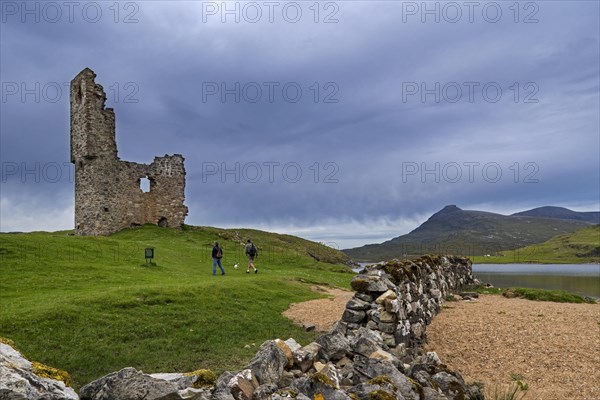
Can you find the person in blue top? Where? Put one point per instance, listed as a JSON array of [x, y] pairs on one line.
[[217, 254]]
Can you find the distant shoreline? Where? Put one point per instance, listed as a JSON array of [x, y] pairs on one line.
[[363, 263]]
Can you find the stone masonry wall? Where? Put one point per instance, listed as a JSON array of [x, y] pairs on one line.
[[108, 196], [400, 298]]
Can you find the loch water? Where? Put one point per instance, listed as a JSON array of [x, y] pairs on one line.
[[582, 279]]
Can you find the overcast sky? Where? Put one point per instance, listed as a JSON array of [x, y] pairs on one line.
[[346, 122]]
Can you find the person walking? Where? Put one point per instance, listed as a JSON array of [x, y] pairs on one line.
[[251, 252], [217, 254]]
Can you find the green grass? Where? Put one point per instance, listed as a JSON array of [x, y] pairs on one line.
[[91, 305], [482, 289], [557, 296], [581, 246]]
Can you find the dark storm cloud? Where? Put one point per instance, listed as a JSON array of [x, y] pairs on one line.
[[375, 154]]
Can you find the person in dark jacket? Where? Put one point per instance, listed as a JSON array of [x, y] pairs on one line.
[[251, 252], [217, 254]]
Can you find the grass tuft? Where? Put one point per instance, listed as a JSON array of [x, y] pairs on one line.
[[557, 296], [515, 391]]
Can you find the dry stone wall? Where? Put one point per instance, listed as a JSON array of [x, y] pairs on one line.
[[398, 299], [108, 196]]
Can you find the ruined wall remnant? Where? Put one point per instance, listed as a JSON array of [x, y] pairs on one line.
[[108, 196]]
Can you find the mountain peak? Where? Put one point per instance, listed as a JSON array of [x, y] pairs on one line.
[[449, 209], [446, 211]]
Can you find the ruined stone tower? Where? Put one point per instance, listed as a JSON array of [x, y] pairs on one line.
[[108, 196]]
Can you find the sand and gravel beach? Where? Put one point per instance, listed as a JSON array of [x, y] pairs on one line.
[[554, 347]]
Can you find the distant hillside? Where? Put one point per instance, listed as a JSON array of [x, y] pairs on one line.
[[277, 245], [463, 232], [581, 246], [561, 213]]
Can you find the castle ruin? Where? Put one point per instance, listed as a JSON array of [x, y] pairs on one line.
[[108, 195]]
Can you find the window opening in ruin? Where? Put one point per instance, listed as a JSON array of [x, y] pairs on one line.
[[162, 222], [78, 94], [145, 184]]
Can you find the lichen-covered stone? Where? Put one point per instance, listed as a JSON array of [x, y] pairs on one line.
[[368, 284], [128, 383], [387, 327], [306, 356], [366, 341], [287, 351], [358, 304], [318, 387], [242, 385], [333, 346], [22, 380], [392, 305], [45, 371], [364, 297], [389, 294], [383, 355], [381, 395], [340, 327], [330, 373], [8, 342], [450, 385], [222, 390], [353, 315], [292, 344], [368, 368], [264, 392], [387, 317], [375, 388], [433, 394], [268, 364], [202, 378]]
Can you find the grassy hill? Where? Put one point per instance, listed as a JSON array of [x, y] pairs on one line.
[[582, 246], [91, 305], [469, 233]]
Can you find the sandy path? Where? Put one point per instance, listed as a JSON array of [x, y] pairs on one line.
[[322, 313], [555, 347]]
